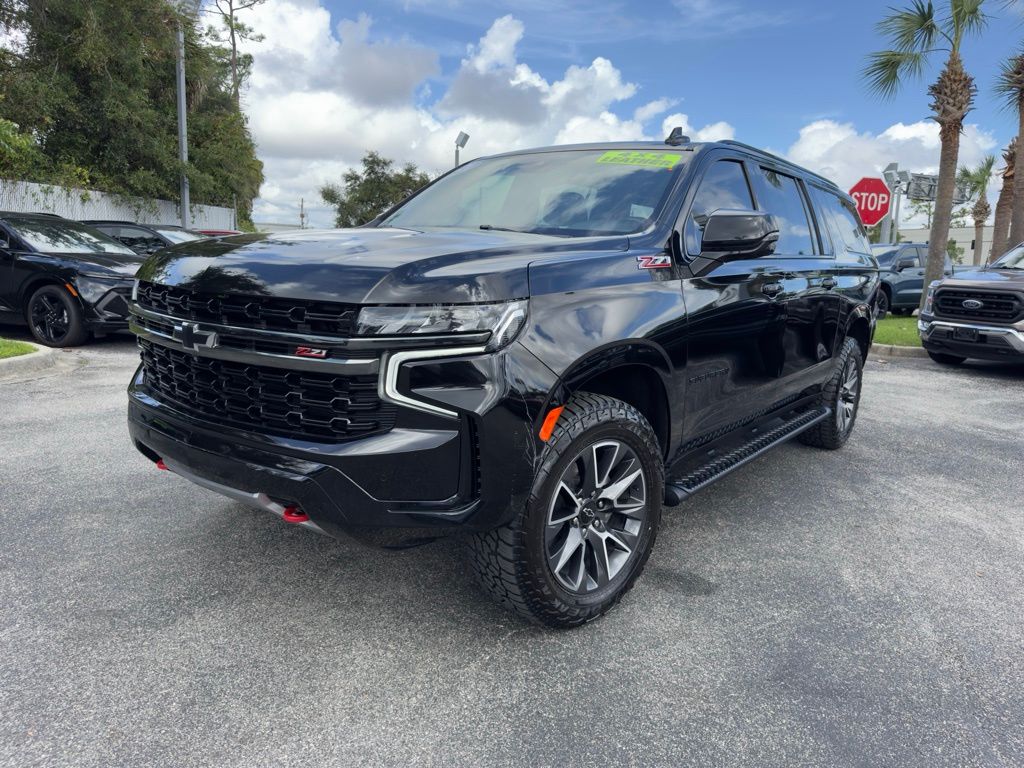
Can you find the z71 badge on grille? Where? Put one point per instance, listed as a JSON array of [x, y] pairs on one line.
[[661, 261], [310, 352]]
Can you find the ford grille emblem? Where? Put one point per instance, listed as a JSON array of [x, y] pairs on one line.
[[972, 304]]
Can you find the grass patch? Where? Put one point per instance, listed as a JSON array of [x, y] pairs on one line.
[[901, 331], [14, 348]]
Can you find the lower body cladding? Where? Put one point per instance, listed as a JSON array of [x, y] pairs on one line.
[[464, 464], [971, 340]]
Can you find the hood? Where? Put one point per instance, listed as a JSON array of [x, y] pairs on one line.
[[992, 278], [123, 265], [366, 265]]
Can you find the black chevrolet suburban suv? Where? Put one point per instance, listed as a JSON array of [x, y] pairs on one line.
[[537, 351]]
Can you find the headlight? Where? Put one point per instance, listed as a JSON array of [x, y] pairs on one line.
[[92, 287], [929, 298], [503, 320]]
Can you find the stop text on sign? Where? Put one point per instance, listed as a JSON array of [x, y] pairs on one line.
[[872, 198]]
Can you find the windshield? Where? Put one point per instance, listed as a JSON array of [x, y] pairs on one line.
[[884, 255], [180, 235], [574, 193], [63, 236], [1011, 259]]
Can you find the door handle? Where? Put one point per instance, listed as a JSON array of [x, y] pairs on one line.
[[829, 283], [771, 289]]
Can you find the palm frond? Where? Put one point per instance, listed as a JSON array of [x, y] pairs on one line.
[[913, 28], [887, 70], [966, 17], [1010, 82]]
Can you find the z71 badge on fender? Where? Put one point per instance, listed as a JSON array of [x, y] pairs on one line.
[[661, 261]]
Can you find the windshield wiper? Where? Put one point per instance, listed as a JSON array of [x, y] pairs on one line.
[[492, 228]]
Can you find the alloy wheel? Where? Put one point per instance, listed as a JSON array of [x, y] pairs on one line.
[[596, 517], [50, 318], [849, 390]]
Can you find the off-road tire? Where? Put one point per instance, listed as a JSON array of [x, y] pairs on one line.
[[511, 563], [828, 433], [944, 359], [70, 313]]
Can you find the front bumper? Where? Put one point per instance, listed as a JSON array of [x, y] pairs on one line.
[[106, 303], [993, 342], [428, 476]]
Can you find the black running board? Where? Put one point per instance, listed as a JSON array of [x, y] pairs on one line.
[[676, 491]]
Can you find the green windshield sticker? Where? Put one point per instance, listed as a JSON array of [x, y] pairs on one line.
[[645, 159]]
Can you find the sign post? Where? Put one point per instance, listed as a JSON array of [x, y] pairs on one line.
[[872, 198]]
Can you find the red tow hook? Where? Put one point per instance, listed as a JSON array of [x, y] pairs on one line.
[[160, 464], [293, 514]]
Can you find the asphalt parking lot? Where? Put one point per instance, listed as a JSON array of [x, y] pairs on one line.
[[863, 607]]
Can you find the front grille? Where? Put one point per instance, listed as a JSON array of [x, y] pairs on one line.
[[261, 312], [997, 307], [299, 404]]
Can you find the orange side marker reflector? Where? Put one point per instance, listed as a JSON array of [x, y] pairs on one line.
[[71, 289], [549, 423]]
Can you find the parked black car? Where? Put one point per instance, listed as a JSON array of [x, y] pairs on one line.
[[65, 279], [977, 314], [902, 269], [144, 238], [537, 350]]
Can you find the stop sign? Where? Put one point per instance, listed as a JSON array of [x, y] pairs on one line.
[[872, 198]]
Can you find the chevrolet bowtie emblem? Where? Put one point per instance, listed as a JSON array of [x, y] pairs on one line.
[[191, 338]]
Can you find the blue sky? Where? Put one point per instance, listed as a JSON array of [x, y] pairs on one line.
[[402, 76]]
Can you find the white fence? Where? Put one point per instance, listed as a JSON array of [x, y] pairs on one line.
[[25, 197]]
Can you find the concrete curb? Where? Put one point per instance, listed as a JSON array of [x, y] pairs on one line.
[[40, 360], [890, 351]]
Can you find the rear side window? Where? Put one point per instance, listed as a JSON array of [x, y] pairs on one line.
[[843, 224], [724, 186], [780, 195]]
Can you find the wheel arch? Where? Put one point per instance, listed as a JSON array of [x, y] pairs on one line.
[[634, 371], [860, 329]]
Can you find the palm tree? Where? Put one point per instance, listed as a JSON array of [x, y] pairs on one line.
[[914, 34], [975, 181], [1010, 86], [1004, 205]]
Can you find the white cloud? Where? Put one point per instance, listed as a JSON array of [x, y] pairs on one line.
[[841, 153], [323, 93]]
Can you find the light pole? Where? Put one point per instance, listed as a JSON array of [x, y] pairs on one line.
[[460, 142], [182, 127]]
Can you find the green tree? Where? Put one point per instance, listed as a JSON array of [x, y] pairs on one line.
[[914, 34], [106, 103], [1010, 86], [364, 195], [1004, 204], [237, 31], [975, 181]]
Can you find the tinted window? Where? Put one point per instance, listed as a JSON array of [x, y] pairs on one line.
[[63, 236], [885, 258], [567, 193], [843, 225], [724, 186], [915, 254], [780, 195]]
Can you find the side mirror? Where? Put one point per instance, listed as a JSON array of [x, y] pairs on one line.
[[730, 234], [5, 242], [905, 264]]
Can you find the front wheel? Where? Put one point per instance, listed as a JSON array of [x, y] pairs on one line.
[[591, 521], [55, 318], [882, 305]]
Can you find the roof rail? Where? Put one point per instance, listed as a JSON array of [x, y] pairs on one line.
[[780, 160]]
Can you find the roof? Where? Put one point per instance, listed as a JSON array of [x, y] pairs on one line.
[[30, 215], [130, 223]]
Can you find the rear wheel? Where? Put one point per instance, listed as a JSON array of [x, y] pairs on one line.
[[944, 359], [842, 394], [590, 523], [55, 318], [882, 304]]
